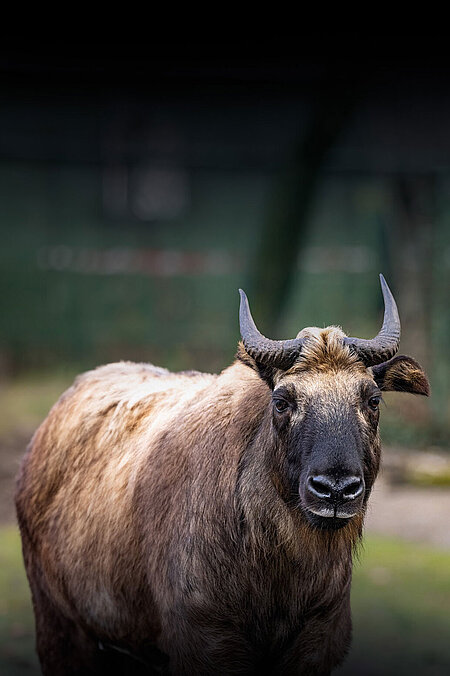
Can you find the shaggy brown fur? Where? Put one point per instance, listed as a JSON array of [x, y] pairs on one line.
[[159, 523]]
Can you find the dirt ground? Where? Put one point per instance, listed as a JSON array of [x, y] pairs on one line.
[[395, 509], [410, 512]]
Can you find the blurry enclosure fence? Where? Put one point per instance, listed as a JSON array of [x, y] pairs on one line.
[[128, 221], [80, 291]]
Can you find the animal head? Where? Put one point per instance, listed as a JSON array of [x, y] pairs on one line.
[[326, 391]]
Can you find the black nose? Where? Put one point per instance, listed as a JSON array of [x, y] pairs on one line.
[[335, 491]]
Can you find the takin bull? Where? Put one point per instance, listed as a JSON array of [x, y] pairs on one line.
[[196, 524]]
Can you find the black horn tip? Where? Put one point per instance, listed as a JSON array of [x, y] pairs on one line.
[[383, 282], [244, 308], [391, 308]]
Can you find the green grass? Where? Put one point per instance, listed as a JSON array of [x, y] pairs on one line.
[[400, 601], [17, 655]]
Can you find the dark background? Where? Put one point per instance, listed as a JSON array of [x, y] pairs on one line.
[[142, 184]]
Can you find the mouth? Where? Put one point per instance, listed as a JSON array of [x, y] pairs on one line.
[[328, 518]]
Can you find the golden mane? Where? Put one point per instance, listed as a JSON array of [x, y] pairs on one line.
[[324, 350]]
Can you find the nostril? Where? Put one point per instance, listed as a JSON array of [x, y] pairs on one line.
[[320, 486], [353, 488], [327, 488]]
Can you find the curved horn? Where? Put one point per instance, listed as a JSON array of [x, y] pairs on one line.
[[278, 353], [385, 344]]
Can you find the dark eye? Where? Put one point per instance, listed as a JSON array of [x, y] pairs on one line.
[[281, 405], [374, 402]]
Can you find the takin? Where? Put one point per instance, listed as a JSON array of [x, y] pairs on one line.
[[195, 524]]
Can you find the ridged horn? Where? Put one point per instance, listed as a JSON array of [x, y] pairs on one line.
[[385, 344], [278, 353]]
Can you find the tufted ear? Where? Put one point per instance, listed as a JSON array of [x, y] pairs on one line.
[[401, 374]]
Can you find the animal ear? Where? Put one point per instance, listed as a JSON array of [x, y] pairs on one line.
[[266, 373], [401, 374]]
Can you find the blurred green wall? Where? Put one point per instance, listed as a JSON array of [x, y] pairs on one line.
[[131, 213]]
